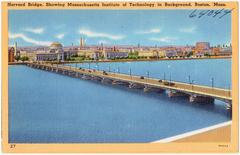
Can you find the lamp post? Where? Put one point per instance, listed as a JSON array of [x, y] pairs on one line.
[[212, 80], [97, 67], [109, 69], [189, 79], [192, 84], [164, 76], [118, 70], [130, 73], [147, 75], [170, 78]]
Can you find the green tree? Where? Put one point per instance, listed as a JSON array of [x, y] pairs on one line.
[[17, 58], [24, 58]]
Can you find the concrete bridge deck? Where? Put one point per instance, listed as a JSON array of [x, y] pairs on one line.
[[173, 86]]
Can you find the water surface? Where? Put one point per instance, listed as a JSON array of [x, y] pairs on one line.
[[46, 107]]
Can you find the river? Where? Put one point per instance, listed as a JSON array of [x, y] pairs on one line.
[[45, 107]]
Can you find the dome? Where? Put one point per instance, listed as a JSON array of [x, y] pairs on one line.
[[56, 45]]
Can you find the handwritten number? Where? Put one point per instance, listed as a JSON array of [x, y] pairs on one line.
[[192, 14], [202, 13], [225, 13], [217, 12], [210, 12]]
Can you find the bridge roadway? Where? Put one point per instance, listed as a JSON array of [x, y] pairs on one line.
[[173, 86]]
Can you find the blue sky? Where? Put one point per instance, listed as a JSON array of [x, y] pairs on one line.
[[116, 27]]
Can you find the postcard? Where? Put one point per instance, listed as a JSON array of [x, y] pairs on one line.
[[119, 77]]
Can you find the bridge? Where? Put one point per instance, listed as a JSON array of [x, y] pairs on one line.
[[196, 93]]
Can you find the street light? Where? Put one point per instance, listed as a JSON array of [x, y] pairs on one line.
[[164, 76], [147, 75], [212, 80], [118, 70], [109, 69], [189, 79], [130, 73], [192, 84], [114, 72], [97, 67], [170, 78]]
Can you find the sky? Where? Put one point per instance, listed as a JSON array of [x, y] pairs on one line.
[[116, 27]]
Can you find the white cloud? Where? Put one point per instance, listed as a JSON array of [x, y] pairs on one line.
[[35, 30], [188, 29], [60, 36], [93, 34], [163, 39], [155, 30], [29, 40]]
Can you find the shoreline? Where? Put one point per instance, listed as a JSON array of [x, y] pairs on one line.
[[125, 60]]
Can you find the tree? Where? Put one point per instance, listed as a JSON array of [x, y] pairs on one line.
[[17, 58], [24, 58]]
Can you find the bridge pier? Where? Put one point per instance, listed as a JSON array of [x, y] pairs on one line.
[[107, 81], [86, 77], [119, 82], [173, 93], [96, 78], [200, 99], [153, 89], [136, 86]]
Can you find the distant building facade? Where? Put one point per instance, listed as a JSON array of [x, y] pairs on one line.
[[202, 48], [55, 52], [11, 55]]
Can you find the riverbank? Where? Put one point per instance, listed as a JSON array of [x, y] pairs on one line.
[[136, 60], [127, 60]]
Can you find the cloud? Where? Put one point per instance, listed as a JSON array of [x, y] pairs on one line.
[[29, 40], [188, 29], [60, 36], [164, 39], [155, 30], [35, 30], [93, 34]]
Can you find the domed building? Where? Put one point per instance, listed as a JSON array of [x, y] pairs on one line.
[[55, 52], [56, 46]]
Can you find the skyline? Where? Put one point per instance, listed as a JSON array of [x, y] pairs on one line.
[[115, 27]]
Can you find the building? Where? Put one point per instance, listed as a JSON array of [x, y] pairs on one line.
[[82, 43], [202, 48], [171, 53], [55, 52], [11, 54], [225, 51], [16, 51], [114, 54], [202, 45]]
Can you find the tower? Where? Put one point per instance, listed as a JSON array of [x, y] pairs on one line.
[[16, 52], [81, 43], [102, 46]]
